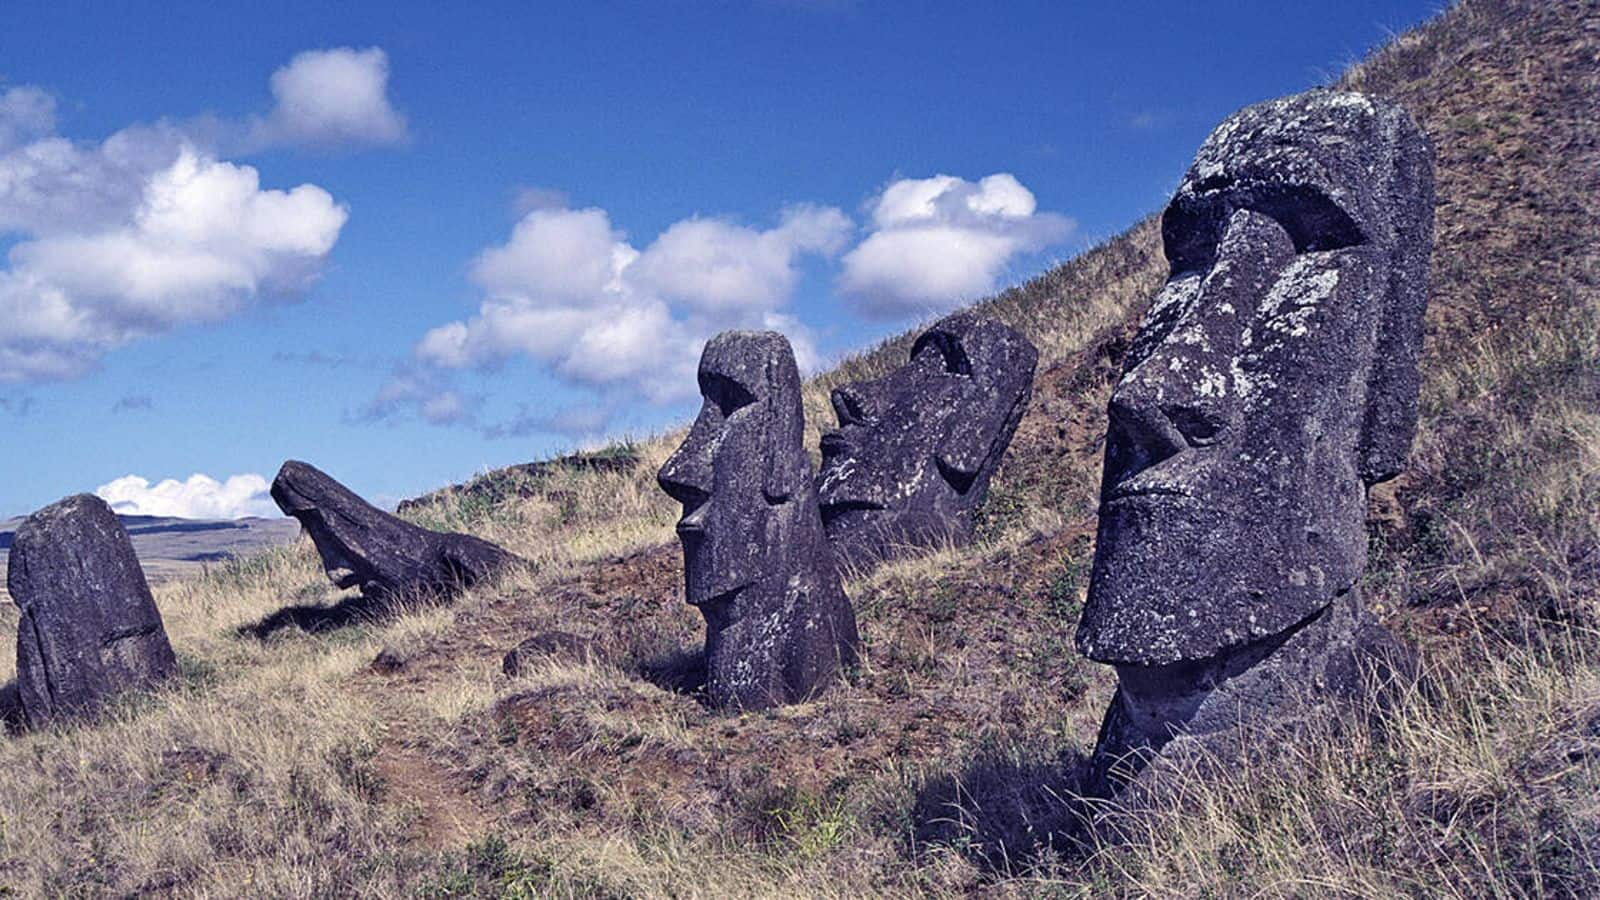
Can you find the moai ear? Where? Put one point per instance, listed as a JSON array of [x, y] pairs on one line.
[[788, 466], [1391, 414]]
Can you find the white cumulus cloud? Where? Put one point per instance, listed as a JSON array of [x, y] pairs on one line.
[[713, 267], [569, 291], [332, 99], [134, 236], [25, 113], [936, 242], [200, 497], [419, 387]]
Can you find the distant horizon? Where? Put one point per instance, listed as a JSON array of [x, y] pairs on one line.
[[413, 247], [9, 520]]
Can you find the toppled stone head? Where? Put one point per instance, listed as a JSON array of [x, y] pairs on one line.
[[915, 449], [89, 627], [363, 546], [1272, 381], [756, 561]]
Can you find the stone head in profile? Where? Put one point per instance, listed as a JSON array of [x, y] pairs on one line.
[[756, 561], [915, 449], [740, 465], [1272, 381]]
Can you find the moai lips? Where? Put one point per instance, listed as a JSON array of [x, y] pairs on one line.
[[1272, 382], [756, 561], [915, 450]]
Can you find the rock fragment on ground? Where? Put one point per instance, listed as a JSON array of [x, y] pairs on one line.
[[545, 645]]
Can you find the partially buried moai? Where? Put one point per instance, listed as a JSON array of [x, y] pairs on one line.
[[363, 546], [756, 561], [1272, 382], [914, 452], [89, 628]]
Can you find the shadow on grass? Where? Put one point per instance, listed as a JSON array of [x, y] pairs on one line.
[[1008, 816], [11, 716], [681, 671], [314, 619]]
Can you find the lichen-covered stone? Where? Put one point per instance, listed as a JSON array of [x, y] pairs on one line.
[[756, 560], [915, 450], [1272, 382], [364, 546], [89, 627]]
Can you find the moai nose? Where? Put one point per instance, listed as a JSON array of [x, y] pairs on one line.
[[1141, 434], [688, 476]]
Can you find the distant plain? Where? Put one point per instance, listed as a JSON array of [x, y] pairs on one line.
[[170, 548]]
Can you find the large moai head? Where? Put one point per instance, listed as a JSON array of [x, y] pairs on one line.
[[756, 561], [89, 628], [915, 450], [1272, 381], [363, 546]]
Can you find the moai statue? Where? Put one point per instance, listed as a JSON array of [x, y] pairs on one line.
[[1272, 382], [915, 449], [363, 545], [756, 561], [89, 628]]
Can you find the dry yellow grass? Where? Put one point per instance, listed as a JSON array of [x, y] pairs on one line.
[[288, 767], [1485, 784]]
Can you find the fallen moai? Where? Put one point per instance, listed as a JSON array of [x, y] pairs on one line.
[[914, 451], [1272, 382], [756, 561], [364, 546], [89, 629]]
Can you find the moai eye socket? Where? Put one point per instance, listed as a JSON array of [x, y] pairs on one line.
[[850, 407], [953, 355], [1194, 223], [727, 395], [1313, 220]]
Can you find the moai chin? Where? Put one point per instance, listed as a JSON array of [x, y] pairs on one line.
[[756, 561], [914, 451], [1272, 382]]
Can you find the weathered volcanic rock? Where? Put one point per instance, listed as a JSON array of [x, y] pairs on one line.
[[363, 545], [915, 449], [756, 560], [1272, 382], [89, 627]]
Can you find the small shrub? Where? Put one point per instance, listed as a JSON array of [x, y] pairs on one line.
[[489, 867], [812, 826]]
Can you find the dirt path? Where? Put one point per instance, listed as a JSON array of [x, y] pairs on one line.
[[449, 812], [448, 817]]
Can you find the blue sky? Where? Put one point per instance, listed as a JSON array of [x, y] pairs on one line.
[[406, 242]]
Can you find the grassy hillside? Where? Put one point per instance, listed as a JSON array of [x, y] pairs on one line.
[[291, 766]]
